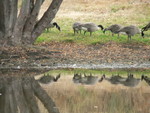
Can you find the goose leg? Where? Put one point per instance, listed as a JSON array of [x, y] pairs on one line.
[[90, 33], [130, 37], [84, 32], [118, 35], [112, 34], [80, 31], [47, 30], [74, 31]]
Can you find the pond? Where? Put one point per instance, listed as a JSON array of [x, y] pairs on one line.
[[79, 90]]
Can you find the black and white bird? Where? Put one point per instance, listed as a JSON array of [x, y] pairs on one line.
[[146, 78], [130, 31], [115, 79], [46, 79], [52, 25], [87, 79], [131, 81], [146, 28], [76, 27], [113, 28], [90, 27]]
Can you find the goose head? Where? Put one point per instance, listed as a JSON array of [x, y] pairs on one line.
[[57, 26], [100, 26]]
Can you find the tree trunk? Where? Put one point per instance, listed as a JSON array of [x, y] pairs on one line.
[[46, 19], [24, 28], [20, 23], [18, 95]]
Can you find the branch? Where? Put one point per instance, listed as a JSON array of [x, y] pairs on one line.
[[30, 23], [29, 94], [12, 102], [8, 16], [2, 96], [44, 97], [48, 16], [19, 96], [18, 28], [13, 15]]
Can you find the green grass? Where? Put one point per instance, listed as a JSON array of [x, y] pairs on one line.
[[100, 12], [108, 72], [67, 35]]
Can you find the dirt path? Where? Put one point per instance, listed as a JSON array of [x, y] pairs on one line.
[[64, 54]]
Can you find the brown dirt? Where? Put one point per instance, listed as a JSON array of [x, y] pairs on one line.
[[50, 54]]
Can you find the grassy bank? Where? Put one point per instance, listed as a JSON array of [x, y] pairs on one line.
[[108, 72], [125, 12]]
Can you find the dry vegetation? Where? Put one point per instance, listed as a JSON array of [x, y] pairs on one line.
[[99, 98], [106, 11]]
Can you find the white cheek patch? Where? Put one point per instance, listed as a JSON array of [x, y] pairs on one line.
[[84, 28]]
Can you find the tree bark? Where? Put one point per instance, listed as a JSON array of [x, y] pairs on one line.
[[45, 99], [19, 95], [3, 20], [24, 28], [21, 20], [29, 95], [29, 26], [48, 16]]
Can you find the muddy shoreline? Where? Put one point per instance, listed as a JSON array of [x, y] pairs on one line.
[[66, 55]]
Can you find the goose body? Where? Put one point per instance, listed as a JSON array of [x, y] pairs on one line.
[[90, 27], [115, 79], [130, 30], [147, 79], [76, 27], [48, 79], [131, 81], [88, 80], [113, 28]]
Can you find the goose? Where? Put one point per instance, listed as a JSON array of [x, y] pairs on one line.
[[76, 27], [88, 80], [113, 28], [131, 81], [77, 77], [90, 27], [115, 79], [48, 79], [146, 79], [146, 28], [130, 31], [52, 25]]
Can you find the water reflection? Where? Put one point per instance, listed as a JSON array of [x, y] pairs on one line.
[[47, 78], [129, 81], [18, 86], [19, 92], [86, 79]]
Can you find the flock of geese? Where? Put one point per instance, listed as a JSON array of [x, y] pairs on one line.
[[130, 30], [130, 81]]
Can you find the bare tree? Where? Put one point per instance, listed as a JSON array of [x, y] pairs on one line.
[[20, 25], [19, 94]]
